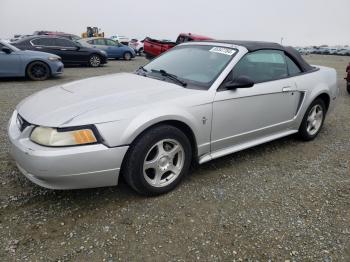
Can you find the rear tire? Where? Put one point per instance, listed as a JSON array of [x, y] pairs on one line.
[[348, 87], [38, 71], [313, 120], [95, 61], [157, 160]]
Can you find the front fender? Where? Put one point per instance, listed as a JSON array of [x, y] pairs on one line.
[[34, 59], [124, 132]]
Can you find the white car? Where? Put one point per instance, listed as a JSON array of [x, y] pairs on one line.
[[345, 52], [121, 39], [196, 102], [137, 45]]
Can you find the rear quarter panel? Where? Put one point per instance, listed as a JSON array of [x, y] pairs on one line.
[[313, 84]]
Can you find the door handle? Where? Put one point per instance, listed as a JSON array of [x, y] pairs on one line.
[[63, 49], [38, 47], [287, 89]]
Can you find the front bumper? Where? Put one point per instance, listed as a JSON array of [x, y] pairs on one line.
[[65, 167], [104, 59], [56, 68]]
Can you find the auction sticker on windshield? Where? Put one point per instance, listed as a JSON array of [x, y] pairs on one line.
[[223, 50]]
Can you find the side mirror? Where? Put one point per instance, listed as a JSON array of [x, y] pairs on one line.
[[239, 82], [6, 50]]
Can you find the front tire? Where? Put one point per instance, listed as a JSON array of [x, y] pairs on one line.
[[95, 60], [158, 160], [38, 71], [313, 120], [127, 56]]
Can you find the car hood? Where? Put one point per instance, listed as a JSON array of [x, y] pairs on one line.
[[98, 100]]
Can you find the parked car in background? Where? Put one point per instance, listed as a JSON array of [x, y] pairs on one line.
[[324, 50], [153, 47], [333, 51], [344, 52], [303, 50], [112, 48], [137, 45], [59, 34], [32, 64], [70, 52], [197, 102], [18, 37], [121, 39]]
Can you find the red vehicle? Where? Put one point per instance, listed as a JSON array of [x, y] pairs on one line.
[[153, 47]]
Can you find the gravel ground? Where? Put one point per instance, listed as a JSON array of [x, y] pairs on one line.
[[283, 201]]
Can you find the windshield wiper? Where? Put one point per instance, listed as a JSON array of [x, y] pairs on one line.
[[170, 76], [143, 69]]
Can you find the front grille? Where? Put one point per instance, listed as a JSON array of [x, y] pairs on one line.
[[22, 123]]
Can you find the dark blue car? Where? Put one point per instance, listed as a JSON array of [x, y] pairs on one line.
[[32, 64], [112, 48]]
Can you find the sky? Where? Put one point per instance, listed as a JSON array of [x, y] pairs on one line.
[[298, 22]]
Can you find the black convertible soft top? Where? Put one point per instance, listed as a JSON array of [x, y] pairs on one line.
[[258, 45]]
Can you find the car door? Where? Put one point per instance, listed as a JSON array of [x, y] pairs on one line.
[[114, 49], [44, 44], [100, 43], [10, 64], [246, 114], [69, 51]]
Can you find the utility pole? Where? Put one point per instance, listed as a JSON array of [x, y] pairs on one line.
[[282, 40]]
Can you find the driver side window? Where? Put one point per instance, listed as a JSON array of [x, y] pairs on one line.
[[261, 66]]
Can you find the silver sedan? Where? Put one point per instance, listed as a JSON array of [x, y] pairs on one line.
[[197, 102]]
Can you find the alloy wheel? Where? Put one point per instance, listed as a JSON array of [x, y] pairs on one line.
[[95, 61], [127, 56], [38, 71], [163, 163], [314, 120]]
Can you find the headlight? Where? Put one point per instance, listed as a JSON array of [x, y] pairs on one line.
[[54, 58], [47, 136]]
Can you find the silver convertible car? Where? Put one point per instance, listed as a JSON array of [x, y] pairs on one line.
[[197, 102]]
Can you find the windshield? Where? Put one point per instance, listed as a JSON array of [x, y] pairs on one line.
[[196, 64]]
